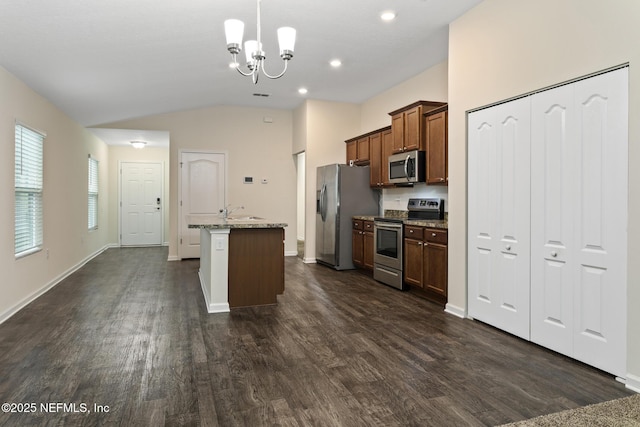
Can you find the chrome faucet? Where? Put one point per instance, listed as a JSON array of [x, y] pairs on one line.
[[226, 212]]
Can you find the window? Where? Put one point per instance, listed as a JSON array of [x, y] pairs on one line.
[[93, 194], [28, 190]]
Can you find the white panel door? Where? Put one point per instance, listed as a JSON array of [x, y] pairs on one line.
[[553, 200], [600, 290], [141, 204], [499, 239], [202, 192], [579, 220]]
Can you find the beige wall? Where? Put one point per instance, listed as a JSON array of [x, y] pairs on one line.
[[504, 48], [254, 148], [430, 85], [66, 149], [117, 155], [327, 126]]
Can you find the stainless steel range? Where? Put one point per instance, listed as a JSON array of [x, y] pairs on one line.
[[388, 240]]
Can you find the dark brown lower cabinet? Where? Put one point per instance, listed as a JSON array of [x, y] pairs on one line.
[[256, 266], [362, 244], [425, 262], [367, 250]]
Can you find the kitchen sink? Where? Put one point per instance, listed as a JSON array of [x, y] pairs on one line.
[[244, 218]]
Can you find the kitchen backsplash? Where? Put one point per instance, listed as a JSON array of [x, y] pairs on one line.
[[396, 199]]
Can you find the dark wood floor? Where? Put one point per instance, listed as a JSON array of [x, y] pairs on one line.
[[130, 331]]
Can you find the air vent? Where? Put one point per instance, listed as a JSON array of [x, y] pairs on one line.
[[264, 95]]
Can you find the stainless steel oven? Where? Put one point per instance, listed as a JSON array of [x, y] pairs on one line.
[[387, 259]]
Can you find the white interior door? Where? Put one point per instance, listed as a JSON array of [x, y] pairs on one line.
[[202, 192], [579, 220], [141, 204], [499, 240], [553, 156]]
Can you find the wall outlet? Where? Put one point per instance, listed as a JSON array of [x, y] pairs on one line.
[[219, 244]]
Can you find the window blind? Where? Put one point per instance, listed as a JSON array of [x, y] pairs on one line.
[[28, 190], [93, 194]]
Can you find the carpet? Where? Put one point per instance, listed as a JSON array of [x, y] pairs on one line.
[[623, 412]]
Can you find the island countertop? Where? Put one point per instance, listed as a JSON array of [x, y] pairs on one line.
[[240, 221]]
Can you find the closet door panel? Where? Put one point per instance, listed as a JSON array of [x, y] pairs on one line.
[[602, 180], [552, 217], [499, 241]]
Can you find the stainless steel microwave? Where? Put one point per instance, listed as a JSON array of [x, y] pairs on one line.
[[407, 167]]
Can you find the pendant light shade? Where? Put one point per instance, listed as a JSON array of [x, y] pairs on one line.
[[286, 40], [255, 56]]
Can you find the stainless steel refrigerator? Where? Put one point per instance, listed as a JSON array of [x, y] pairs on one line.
[[342, 191]]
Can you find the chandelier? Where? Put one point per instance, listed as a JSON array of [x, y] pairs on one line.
[[255, 56]]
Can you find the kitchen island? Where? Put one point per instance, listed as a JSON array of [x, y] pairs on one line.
[[241, 261]]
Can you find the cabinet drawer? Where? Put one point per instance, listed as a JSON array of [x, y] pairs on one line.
[[368, 226], [435, 235], [412, 232], [357, 224]]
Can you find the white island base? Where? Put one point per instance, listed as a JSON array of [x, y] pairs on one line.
[[214, 272]]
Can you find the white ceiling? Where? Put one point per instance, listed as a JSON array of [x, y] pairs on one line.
[[104, 61]]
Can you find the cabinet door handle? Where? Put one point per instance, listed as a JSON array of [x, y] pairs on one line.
[[508, 247], [554, 254], [411, 231], [433, 234]]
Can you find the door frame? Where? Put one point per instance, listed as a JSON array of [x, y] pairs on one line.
[[162, 191], [181, 151]]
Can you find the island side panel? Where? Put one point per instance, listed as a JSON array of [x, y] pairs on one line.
[[256, 266], [214, 258]]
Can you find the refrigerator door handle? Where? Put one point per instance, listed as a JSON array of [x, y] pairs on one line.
[[323, 203]]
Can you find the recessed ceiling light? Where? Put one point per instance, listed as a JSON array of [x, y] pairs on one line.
[[388, 15], [335, 63], [138, 144], [302, 91]]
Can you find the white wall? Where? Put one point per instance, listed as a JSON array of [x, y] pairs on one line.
[[118, 154], [504, 48], [324, 126], [255, 148], [66, 236], [301, 170]]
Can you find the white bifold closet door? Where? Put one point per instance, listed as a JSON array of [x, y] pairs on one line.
[[579, 149], [499, 209], [547, 200]]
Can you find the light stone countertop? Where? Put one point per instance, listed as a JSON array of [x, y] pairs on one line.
[[234, 221], [430, 223]]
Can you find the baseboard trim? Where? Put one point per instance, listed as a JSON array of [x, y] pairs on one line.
[[211, 307], [309, 260], [291, 253], [173, 258], [455, 310], [633, 383], [7, 314]]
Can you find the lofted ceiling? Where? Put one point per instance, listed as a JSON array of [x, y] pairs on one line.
[[104, 61]]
